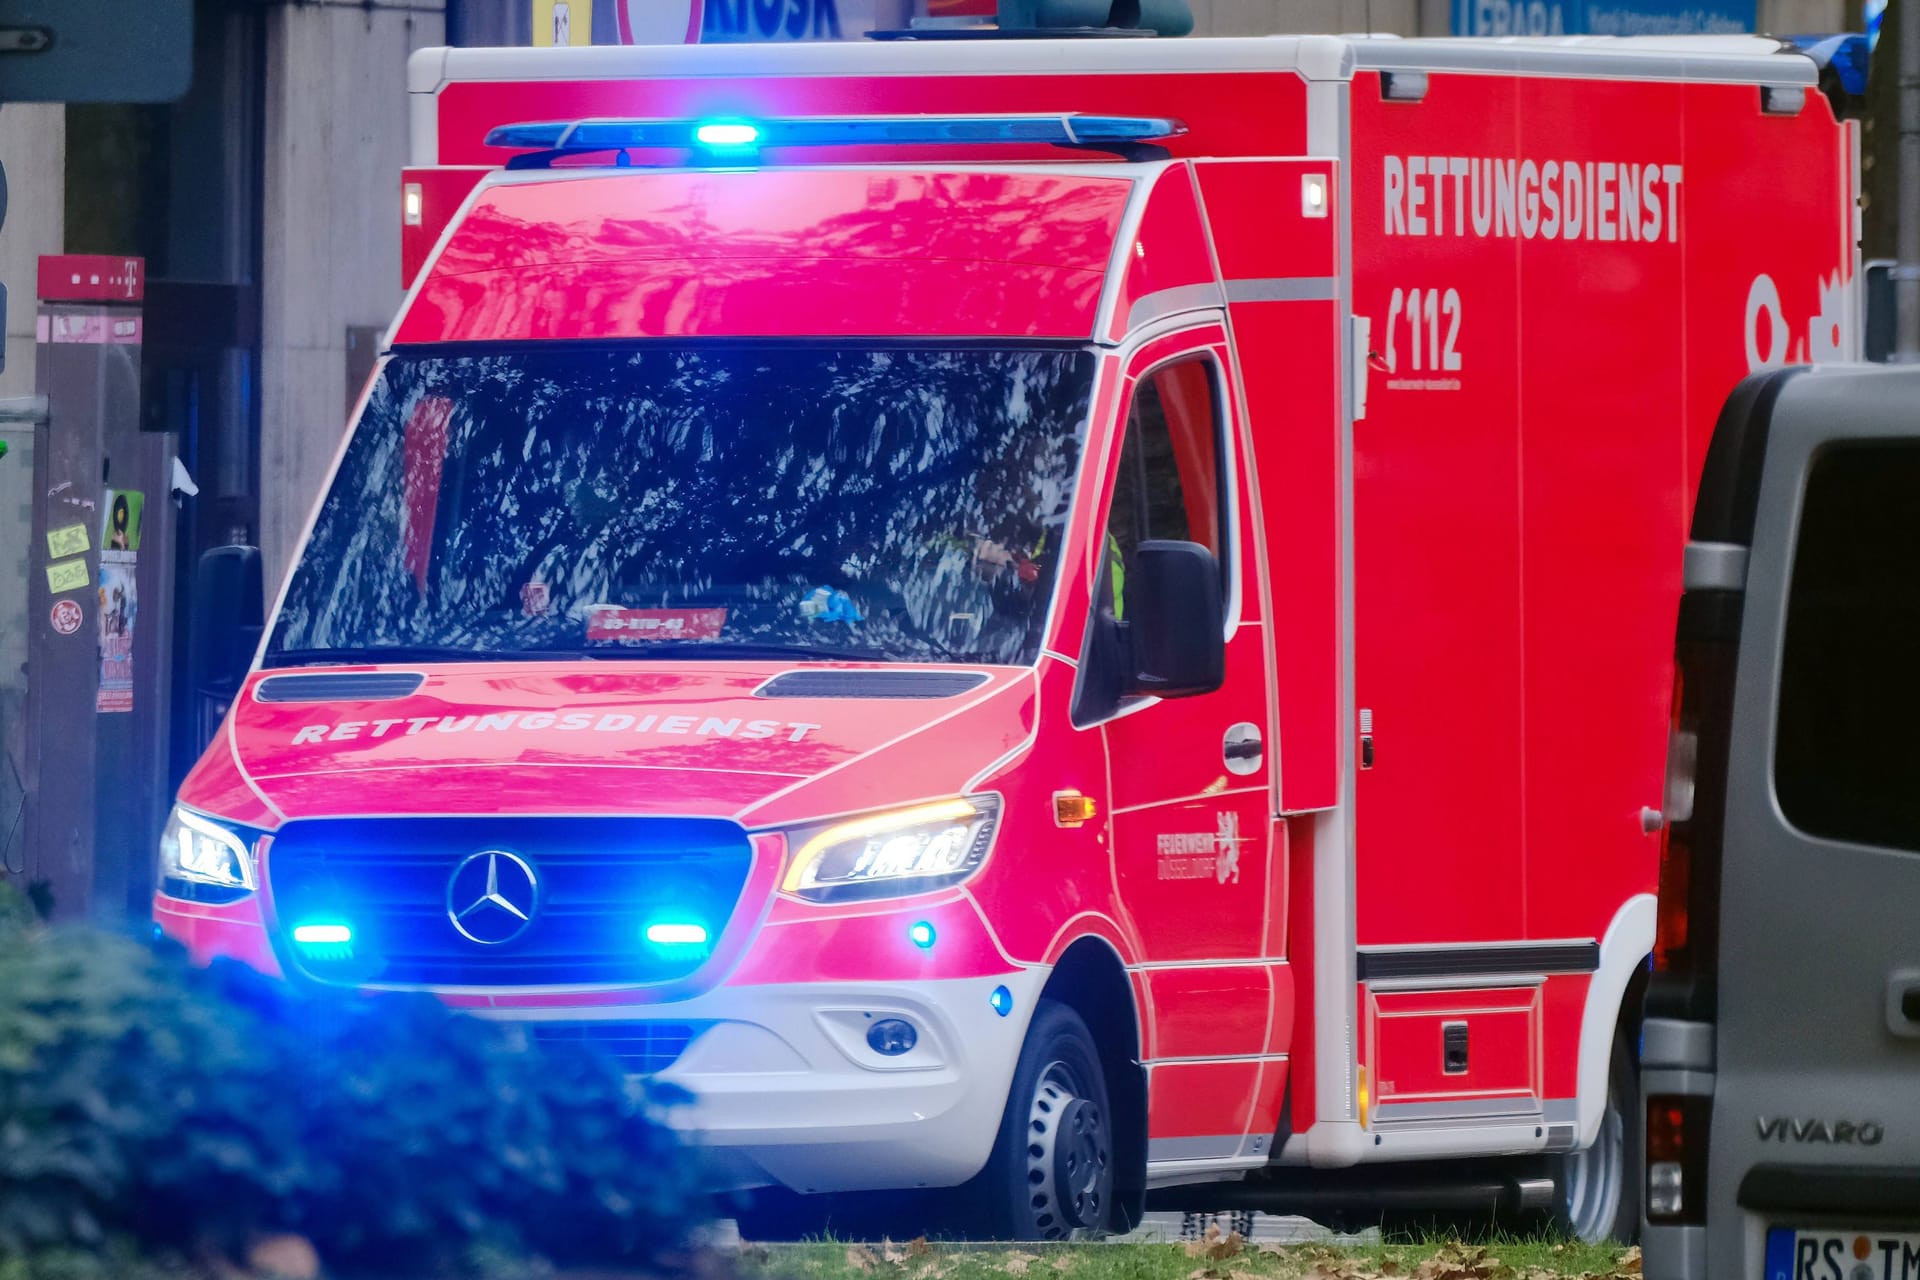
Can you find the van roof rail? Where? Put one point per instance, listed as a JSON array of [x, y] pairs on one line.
[[1131, 137]]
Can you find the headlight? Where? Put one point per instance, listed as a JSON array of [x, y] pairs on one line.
[[196, 850], [891, 855]]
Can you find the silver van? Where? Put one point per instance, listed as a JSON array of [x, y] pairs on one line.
[[1781, 1059]]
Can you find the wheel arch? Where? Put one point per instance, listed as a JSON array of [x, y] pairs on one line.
[[1090, 979], [1611, 1002]]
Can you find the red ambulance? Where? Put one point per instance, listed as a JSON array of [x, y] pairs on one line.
[[1066, 618]]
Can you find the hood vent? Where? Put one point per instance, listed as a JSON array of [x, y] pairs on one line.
[[871, 684], [369, 686]]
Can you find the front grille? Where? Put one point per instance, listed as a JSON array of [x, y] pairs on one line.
[[638, 1048], [599, 883]]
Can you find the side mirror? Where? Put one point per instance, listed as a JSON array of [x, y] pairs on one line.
[[229, 613], [1173, 615]]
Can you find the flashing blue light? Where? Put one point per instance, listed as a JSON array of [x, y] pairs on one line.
[[322, 935], [677, 933], [922, 934], [842, 131], [723, 134], [1001, 1000]]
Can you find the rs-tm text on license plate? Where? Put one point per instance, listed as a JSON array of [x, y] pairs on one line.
[[1842, 1255]]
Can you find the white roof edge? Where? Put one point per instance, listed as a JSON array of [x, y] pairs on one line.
[[1314, 57], [1721, 59], [427, 70]]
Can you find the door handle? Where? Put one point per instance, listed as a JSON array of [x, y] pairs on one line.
[[1243, 749], [1903, 1003]]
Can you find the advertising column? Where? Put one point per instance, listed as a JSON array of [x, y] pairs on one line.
[[99, 613]]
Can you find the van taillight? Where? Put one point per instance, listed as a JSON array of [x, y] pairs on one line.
[[1694, 803], [1670, 933], [1677, 1158]]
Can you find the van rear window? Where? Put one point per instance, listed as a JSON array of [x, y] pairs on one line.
[[1847, 750]]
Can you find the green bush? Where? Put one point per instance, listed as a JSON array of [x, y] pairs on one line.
[[192, 1108]]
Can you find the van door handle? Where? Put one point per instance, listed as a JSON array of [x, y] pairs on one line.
[[1903, 1003]]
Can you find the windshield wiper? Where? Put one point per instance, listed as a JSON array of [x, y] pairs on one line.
[[369, 655], [372, 655]]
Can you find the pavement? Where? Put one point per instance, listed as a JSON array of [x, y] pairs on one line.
[[1166, 1228], [1169, 1228]]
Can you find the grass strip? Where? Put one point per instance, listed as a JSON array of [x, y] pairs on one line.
[[1216, 1258]]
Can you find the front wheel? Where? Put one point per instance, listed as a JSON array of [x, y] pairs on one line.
[[1599, 1188], [1051, 1174]]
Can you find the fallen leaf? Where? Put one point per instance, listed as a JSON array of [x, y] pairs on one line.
[[919, 1248], [1216, 1247], [1017, 1264], [1629, 1263]]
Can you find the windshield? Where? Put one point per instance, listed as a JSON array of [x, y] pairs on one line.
[[868, 502]]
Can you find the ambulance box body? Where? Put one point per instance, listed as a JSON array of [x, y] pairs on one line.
[[1066, 617]]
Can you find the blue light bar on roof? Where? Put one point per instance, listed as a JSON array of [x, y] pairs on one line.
[[849, 131]]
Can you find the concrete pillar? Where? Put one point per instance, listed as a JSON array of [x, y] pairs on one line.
[[336, 139], [1801, 17], [33, 147]]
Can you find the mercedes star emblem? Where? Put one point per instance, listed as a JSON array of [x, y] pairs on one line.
[[491, 897]]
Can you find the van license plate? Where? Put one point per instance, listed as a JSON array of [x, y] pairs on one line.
[[1842, 1255]]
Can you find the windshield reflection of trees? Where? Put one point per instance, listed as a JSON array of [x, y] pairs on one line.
[[750, 479]]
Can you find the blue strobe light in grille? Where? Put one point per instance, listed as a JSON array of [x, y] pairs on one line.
[[508, 902]]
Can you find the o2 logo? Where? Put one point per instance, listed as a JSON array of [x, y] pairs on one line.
[[1770, 337]]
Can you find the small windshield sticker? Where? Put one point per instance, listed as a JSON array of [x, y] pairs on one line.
[[623, 626], [823, 604], [535, 600]]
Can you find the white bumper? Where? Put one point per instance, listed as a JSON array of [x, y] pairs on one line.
[[787, 1090]]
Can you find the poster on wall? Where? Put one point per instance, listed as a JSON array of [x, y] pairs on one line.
[[1603, 17], [562, 22], [119, 599], [750, 21]]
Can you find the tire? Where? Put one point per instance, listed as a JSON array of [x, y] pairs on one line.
[[1051, 1174], [1597, 1191]]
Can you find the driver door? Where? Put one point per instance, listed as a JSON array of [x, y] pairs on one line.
[[1192, 800]]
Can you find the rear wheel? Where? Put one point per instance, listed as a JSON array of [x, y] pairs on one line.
[[1598, 1189], [1051, 1174]]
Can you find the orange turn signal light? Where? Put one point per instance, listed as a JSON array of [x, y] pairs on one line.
[[1071, 809]]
